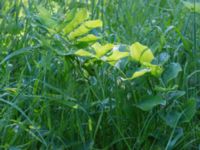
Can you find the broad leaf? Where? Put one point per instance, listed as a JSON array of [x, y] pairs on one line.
[[88, 38], [171, 72], [138, 74], [171, 118], [85, 28], [173, 95], [141, 53], [80, 17], [101, 50], [156, 70], [116, 56], [83, 53], [150, 102]]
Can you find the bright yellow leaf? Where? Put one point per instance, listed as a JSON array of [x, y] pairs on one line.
[[101, 50], [156, 70], [138, 74], [116, 56], [141, 53]]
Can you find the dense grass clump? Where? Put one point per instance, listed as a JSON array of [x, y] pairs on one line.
[[99, 74]]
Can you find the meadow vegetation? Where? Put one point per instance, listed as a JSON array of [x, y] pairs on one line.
[[99, 74]]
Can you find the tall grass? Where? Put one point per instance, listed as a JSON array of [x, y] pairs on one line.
[[48, 102]]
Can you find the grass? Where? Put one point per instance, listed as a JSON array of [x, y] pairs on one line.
[[48, 101]]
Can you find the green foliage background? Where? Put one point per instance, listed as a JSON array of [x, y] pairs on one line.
[[53, 99]]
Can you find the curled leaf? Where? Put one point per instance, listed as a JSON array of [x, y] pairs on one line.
[[141, 53]]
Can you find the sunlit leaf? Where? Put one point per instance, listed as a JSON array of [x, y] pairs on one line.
[[156, 70], [101, 50], [85, 28], [93, 24], [80, 16], [138, 74], [141, 53], [83, 53], [116, 55], [88, 38]]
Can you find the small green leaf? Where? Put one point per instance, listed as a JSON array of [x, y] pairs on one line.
[[141, 53], [166, 89], [150, 102], [171, 72]]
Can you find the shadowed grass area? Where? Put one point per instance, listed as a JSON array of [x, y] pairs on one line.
[[50, 99]]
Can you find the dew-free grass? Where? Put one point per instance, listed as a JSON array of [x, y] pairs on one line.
[[99, 74]]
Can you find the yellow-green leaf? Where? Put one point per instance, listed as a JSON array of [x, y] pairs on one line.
[[79, 17], [85, 28], [138, 74], [88, 38], [101, 50], [156, 70], [83, 53], [93, 24], [116, 55], [141, 53]]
